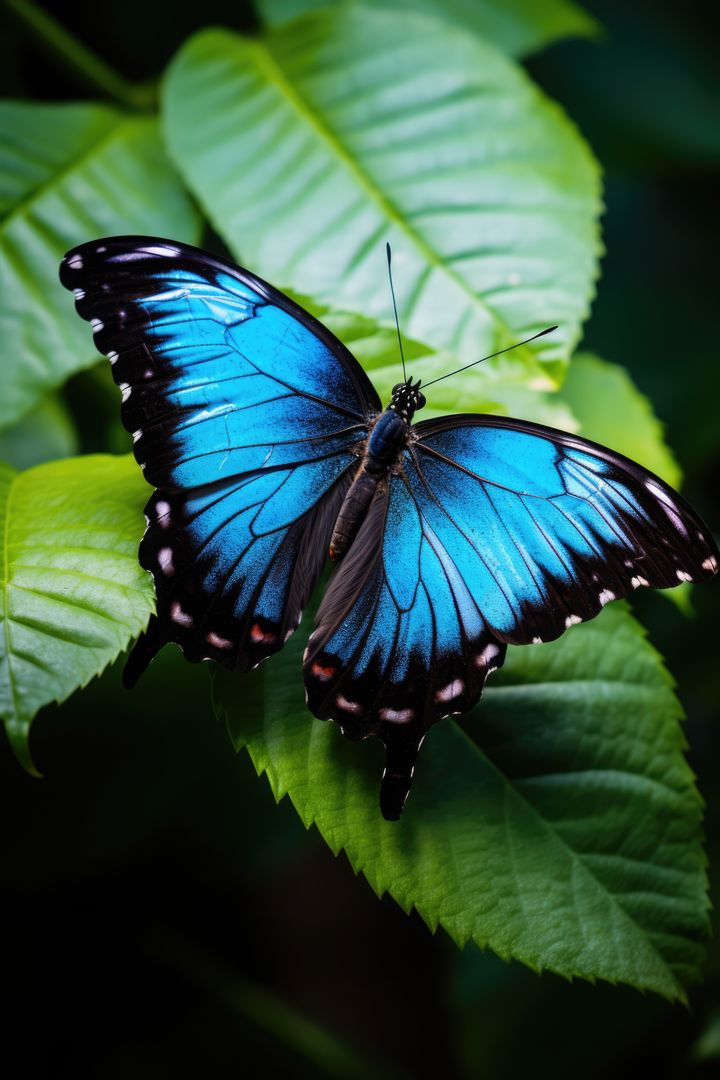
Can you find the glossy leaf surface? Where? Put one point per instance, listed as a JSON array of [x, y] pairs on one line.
[[69, 173], [73, 594], [558, 825], [313, 145]]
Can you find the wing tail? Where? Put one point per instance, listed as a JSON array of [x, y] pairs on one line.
[[143, 653], [397, 778]]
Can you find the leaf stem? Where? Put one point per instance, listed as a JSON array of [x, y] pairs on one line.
[[78, 59]]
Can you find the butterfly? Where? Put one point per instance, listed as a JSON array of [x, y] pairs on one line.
[[269, 448]]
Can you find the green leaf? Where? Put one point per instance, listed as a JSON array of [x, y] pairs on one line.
[[69, 173], [558, 825], [45, 434], [376, 347], [518, 27], [72, 592], [312, 146], [611, 410]]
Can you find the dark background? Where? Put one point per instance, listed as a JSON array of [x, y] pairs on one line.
[[152, 891]]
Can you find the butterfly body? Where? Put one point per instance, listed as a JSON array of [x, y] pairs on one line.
[[267, 446], [388, 435]]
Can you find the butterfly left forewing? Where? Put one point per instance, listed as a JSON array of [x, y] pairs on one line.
[[246, 415]]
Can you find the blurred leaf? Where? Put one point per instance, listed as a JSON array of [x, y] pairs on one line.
[[376, 347], [518, 27], [73, 593], [318, 1046], [44, 434], [611, 410], [559, 825], [312, 146], [69, 173]]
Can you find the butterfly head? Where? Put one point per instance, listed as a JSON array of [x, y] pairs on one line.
[[407, 399]]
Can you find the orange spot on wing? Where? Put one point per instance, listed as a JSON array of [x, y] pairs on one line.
[[322, 673], [259, 636]]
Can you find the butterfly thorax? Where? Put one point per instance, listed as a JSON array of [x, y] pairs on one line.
[[386, 441]]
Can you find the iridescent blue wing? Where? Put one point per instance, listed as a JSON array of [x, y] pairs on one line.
[[399, 640], [493, 532], [247, 415], [547, 526]]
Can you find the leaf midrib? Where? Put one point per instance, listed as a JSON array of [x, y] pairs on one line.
[[276, 75], [21, 208]]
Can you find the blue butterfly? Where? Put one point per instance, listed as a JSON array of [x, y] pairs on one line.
[[269, 447]]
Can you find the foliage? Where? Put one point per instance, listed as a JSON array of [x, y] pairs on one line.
[[517, 27], [559, 824], [73, 594], [485, 190], [590, 824], [68, 171]]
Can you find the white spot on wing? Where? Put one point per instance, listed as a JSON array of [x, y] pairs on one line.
[[179, 616], [537, 641], [636, 582], [484, 658], [605, 597], [349, 706], [100, 248], [218, 642], [572, 620], [397, 716], [125, 390], [164, 249], [97, 324], [162, 511], [136, 435], [710, 563], [452, 690], [75, 262], [79, 294], [682, 576], [165, 559], [112, 356]]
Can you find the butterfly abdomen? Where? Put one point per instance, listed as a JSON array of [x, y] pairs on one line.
[[386, 440]]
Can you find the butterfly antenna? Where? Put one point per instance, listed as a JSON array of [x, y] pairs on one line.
[[397, 322], [517, 345]]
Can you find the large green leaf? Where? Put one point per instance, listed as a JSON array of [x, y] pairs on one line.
[[72, 594], [69, 173], [376, 347], [611, 410], [558, 825], [518, 27], [312, 146]]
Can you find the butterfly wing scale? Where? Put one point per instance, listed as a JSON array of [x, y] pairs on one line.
[[246, 415]]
